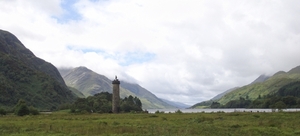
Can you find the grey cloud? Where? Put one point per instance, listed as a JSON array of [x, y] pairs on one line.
[[201, 48]]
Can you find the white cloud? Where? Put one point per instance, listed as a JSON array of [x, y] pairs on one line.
[[186, 51]]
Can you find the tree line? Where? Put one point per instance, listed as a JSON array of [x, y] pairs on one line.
[[102, 103], [21, 109], [99, 103]]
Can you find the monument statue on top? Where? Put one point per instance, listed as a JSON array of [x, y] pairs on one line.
[[116, 96]]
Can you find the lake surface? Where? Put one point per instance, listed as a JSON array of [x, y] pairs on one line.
[[217, 110]]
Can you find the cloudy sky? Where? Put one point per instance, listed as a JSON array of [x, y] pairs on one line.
[[181, 50]]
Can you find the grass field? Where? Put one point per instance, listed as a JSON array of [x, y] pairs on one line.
[[180, 124]]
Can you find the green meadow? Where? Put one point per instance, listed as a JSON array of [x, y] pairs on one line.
[[161, 124]]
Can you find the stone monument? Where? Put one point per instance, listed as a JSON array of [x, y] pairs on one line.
[[116, 96]]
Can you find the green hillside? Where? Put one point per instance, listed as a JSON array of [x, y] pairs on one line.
[[24, 76], [76, 92], [206, 104], [86, 81], [268, 87], [91, 83], [146, 97]]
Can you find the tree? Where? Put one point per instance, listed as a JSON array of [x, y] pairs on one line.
[[81, 105], [289, 100], [21, 108], [102, 103], [215, 105], [33, 111], [241, 103], [138, 102], [131, 104], [178, 111], [280, 105]]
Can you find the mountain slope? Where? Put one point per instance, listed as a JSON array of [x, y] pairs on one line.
[[87, 81], [206, 104], [145, 94], [260, 79], [270, 86], [176, 104], [25, 76], [217, 97], [90, 83]]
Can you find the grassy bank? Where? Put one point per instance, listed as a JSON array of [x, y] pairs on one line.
[[61, 124]]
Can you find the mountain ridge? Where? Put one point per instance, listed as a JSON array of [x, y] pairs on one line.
[[90, 83], [176, 104], [207, 103], [260, 79], [269, 86], [25, 76]]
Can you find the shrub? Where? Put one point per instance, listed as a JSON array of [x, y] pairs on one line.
[[153, 116], [159, 112], [2, 111], [178, 111], [280, 105], [72, 110], [33, 111], [22, 110]]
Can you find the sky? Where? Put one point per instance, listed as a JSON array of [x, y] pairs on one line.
[[181, 50]]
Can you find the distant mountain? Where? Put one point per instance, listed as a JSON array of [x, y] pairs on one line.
[[206, 104], [261, 78], [87, 81], [217, 97], [25, 76], [90, 83], [146, 96], [76, 92], [202, 105], [295, 70], [64, 71], [269, 86], [176, 104]]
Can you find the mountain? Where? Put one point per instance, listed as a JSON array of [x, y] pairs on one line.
[[206, 104], [260, 79], [146, 96], [176, 104], [267, 87], [87, 81], [295, 70], [217, 97], [76, 92], [90, 83], [25, 76]]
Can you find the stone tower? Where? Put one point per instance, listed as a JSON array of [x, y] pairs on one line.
[[116, 96]]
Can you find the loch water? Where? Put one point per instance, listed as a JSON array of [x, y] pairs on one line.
[[218, 110]]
